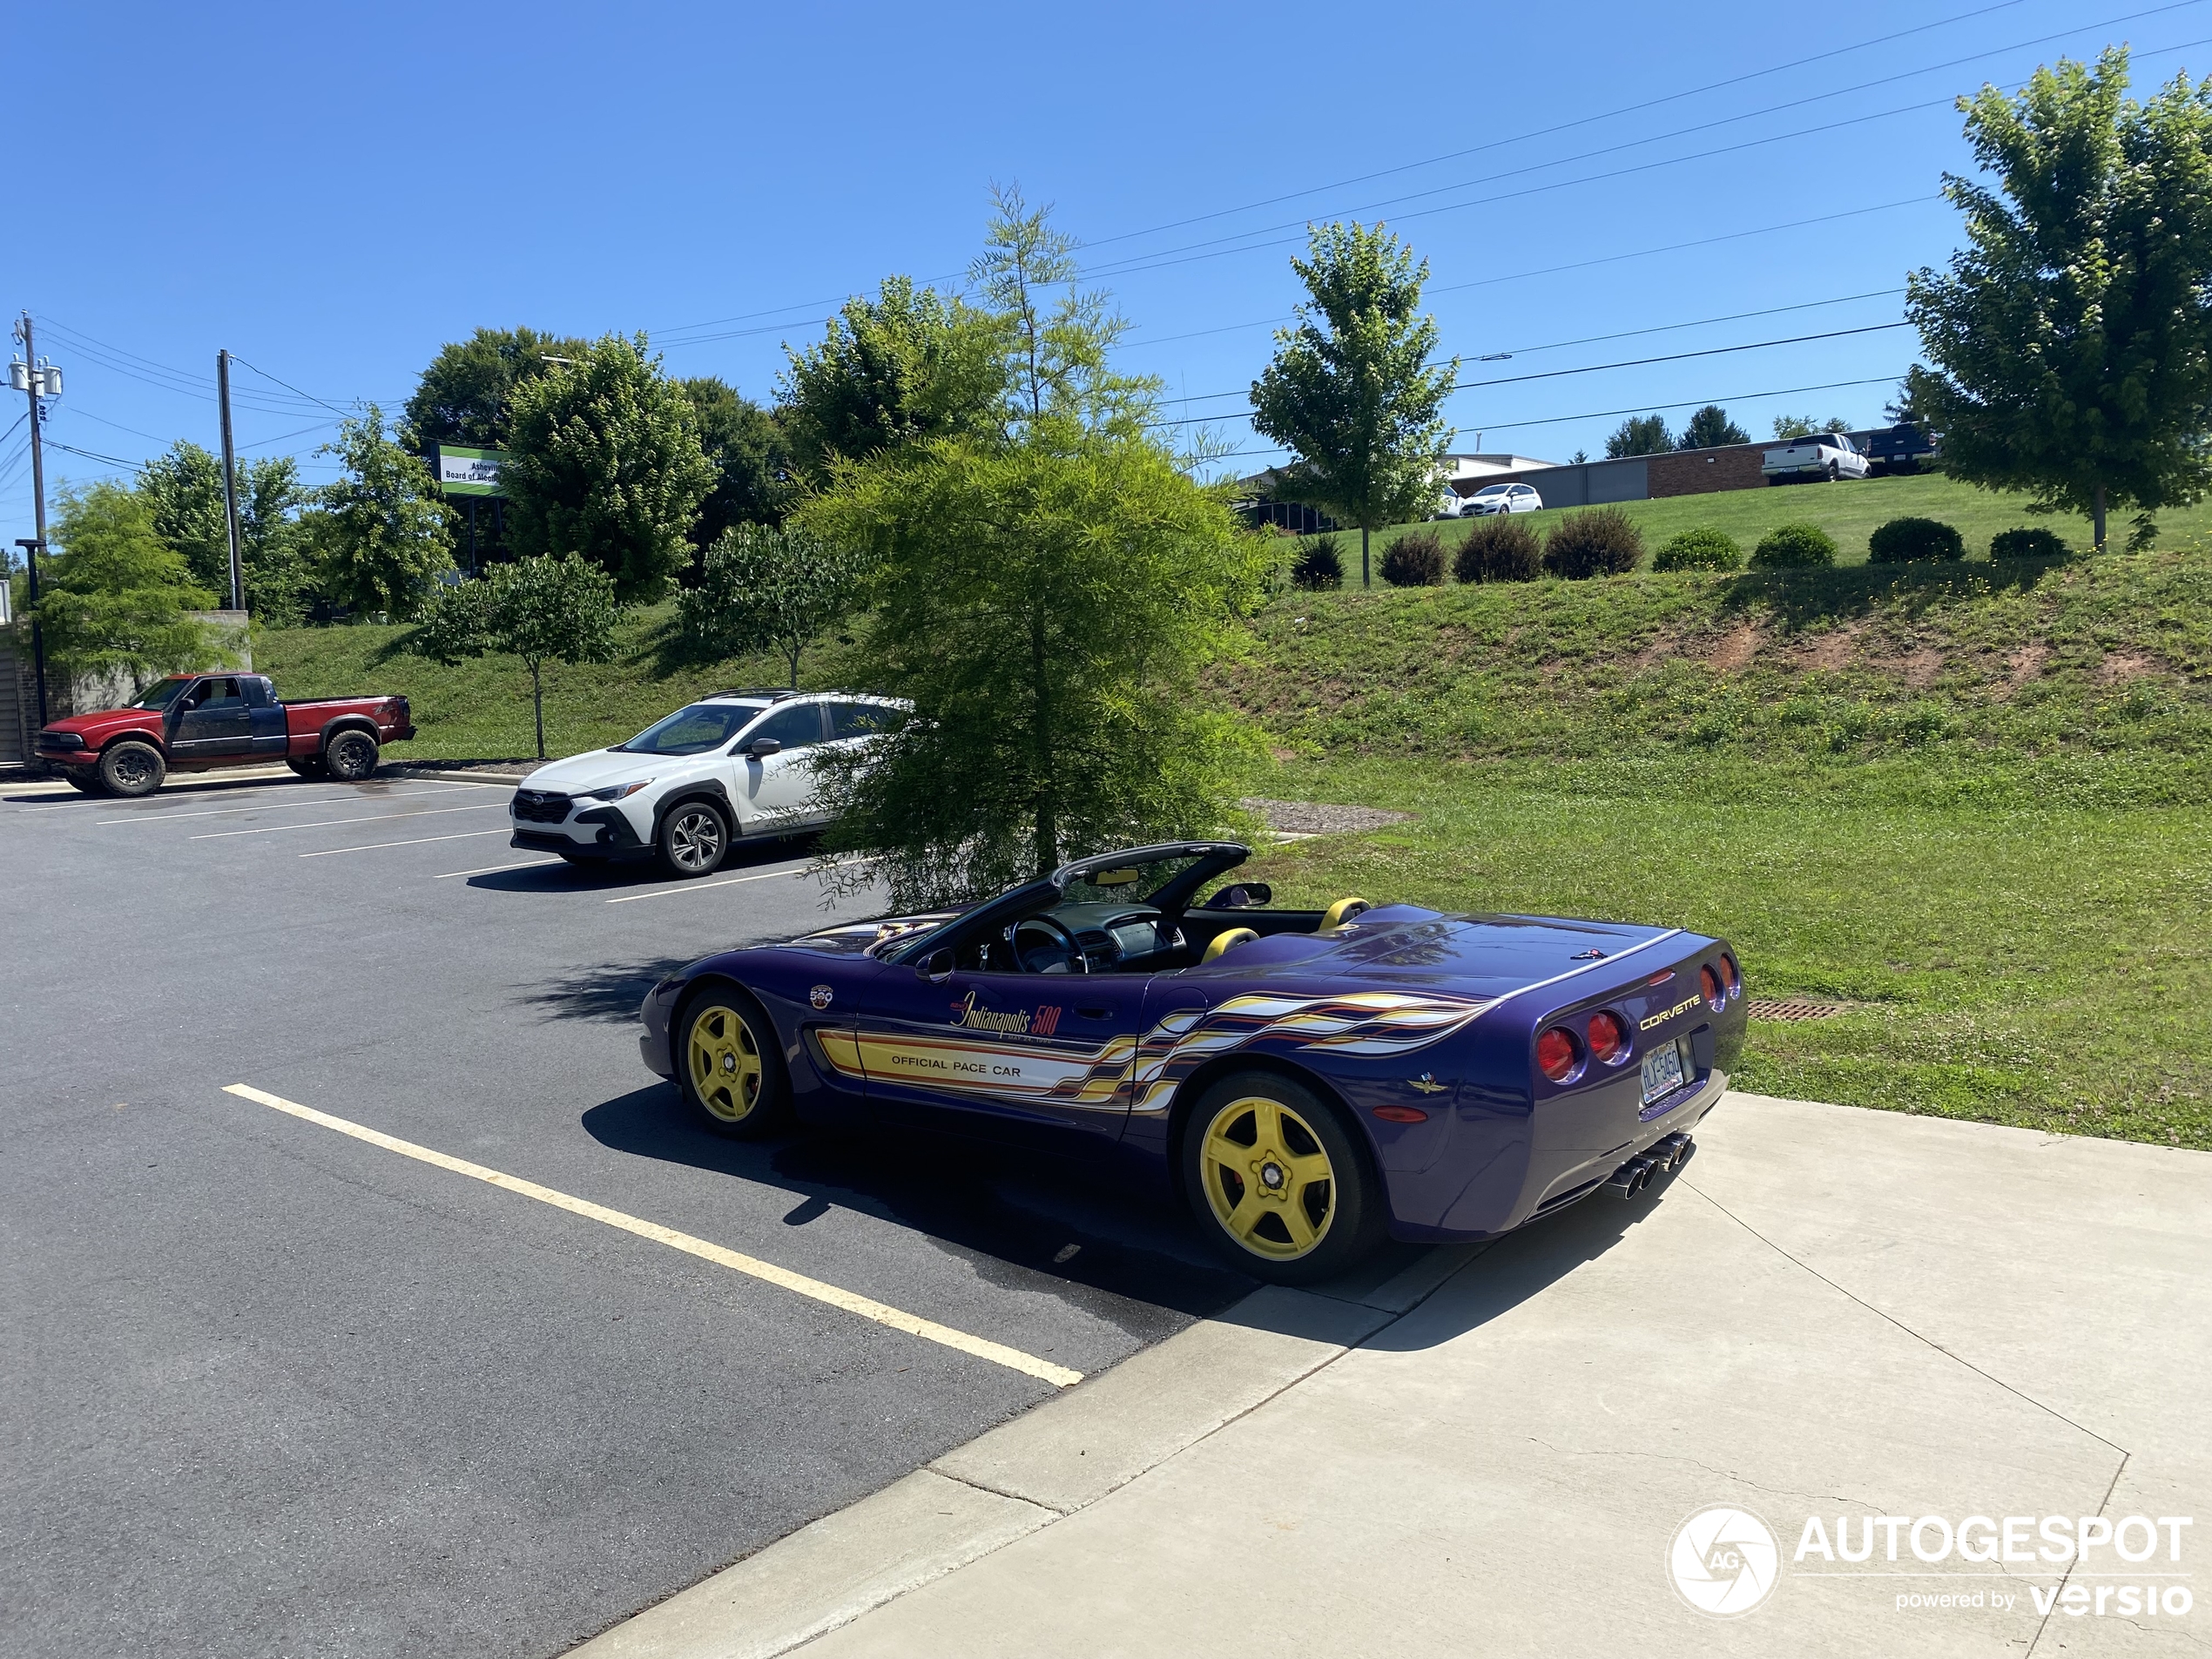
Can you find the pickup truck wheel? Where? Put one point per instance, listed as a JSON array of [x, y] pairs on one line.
[[308, 767], [693, 839], [132, 769], [350, 757], [729, 1068], [1835, 472]]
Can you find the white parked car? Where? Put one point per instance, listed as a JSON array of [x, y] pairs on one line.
[[685, 789], [1815, 456], [1502, 498]]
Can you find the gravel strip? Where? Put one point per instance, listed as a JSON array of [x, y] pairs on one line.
[[1316, 817]]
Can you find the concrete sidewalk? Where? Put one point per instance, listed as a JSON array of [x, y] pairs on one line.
[[1828, 1313]]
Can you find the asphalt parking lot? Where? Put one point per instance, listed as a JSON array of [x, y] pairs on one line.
[[276, 1388]]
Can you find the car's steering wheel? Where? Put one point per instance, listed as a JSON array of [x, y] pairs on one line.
[[1078, 962]]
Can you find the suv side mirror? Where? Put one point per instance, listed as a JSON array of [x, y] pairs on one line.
[[936, 966], [761, 748]]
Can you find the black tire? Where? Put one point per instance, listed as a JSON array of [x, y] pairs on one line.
[[350, 757], [308, 767], [727, 1064], [1346, 1220], [694, 838], [1835, 473], [132, 769]]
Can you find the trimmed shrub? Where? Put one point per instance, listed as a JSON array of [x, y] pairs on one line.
[[1702, 548], [1318, 566], [1499, 549], [2027, 544], [1914, 541], [1788, 546], [1414, 560], [1602, 541]]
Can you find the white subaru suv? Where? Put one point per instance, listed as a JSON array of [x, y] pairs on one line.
[[734, 764]]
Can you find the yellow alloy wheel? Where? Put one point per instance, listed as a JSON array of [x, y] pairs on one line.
[[1267, 1178], [727, 1072]]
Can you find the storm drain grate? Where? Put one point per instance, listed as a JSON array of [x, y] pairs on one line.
[[1788, 1008]]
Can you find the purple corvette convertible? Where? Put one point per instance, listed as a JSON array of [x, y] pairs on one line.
[[1311, 1081]]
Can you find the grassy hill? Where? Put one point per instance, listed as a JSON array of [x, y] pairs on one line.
[[1971, 804], [1848, 511]]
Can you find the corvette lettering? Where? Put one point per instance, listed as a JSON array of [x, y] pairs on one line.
[[1684, 1007]]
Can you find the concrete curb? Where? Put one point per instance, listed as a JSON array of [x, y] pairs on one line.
[[1025, 1474]]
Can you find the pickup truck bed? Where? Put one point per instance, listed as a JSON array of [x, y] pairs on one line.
[[195, 722]]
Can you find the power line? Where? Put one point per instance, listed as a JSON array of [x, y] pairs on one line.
[[113, 461], [342, 414]]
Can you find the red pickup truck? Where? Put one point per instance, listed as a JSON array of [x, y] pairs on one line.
[[194, 722]]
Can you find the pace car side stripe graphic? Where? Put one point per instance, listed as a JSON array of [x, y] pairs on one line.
[[1067, 1076]]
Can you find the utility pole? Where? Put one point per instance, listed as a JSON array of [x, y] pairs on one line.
[[230, 479], [35, 381]]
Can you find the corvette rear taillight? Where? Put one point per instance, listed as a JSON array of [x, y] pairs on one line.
[[1711, 983], [1556, 1054], [1609, 1036], [1729, 975]]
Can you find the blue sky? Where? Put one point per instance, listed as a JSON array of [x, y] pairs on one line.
[[331, 193]]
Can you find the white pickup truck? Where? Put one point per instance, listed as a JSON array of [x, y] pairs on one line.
[[1815, 455]]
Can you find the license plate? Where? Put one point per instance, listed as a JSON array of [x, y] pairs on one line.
[[1662, 1070]]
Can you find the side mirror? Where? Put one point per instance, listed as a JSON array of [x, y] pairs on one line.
[[1257, 893], [936, 966], [761, 748]]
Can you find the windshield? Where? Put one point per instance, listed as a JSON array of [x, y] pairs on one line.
[[1127, 884], [693, 731], [1494, 489], [161, 693]]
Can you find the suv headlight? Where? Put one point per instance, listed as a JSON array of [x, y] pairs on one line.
[[614, 791]]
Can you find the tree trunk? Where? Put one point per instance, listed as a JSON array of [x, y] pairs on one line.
[[1048, 834], [1363, 556], [2097, 519], [793, 655], [537, 707]]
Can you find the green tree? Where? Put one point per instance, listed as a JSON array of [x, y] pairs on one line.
[[379, 533], [1710, 427], [763, 588], [909, 364], [603, 460], [1804, 426], [2072, 338], [1641, 434], [466, 395], [183, 488], [1352, 392], [540, 609], [116, 599], [754, 482]]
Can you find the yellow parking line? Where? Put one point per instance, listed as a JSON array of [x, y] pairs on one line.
[[326, 823], [420, 841], [798, 1284]]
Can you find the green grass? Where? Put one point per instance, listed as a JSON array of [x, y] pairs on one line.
[[1973, 803], [1848, 511]]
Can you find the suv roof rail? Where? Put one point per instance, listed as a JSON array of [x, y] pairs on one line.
[[776, 696]]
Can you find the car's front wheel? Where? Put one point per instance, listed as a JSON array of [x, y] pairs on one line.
[[132, 769], [1276, 1178], [730, 1070], [693, 839]]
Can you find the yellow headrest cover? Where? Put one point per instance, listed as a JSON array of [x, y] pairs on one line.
[[1341, 912], [1220, 942]]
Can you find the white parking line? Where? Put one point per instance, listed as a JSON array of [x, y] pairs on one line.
[[727, 882], [327, 823], [864, 1307], [264, 807], [520, 864], [423, 840]]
